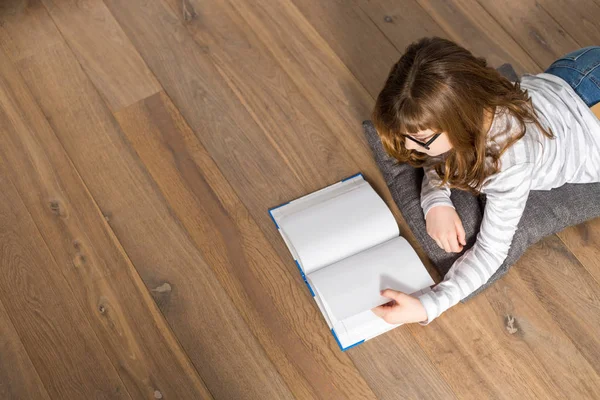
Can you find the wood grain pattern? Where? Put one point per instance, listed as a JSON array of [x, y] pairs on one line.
[[270, 298], [533, 28], [60, 342], [504, 335], [124, 316], [198, 90], [150, 231], [569, 292], [583, 241], [18, 377], [501, 338], [269, 95], [357, 41], [469, 24], [105, 53], [578, 19], [206, 323], [311, 63], [473, 335], [528, 322], [402, 23]]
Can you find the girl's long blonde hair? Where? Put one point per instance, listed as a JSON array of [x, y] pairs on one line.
[[442, 86]]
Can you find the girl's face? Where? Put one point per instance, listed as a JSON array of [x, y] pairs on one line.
[[439, 146]]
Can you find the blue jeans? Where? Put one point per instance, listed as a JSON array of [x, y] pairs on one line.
[[581, 70]]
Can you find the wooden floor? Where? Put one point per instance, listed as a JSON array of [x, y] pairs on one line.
[[141, 144]]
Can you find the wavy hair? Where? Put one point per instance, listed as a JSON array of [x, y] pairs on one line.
[[442, 86]]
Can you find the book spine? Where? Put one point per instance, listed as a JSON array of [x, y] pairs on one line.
[[296, 261], [304, 278]]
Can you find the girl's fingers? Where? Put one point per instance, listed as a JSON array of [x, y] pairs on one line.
[[380, 311], [460, 231], [377, 311], [446, 245], [391, 294], [452, 241]]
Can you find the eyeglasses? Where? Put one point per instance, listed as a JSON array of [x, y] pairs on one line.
[[426, 144]]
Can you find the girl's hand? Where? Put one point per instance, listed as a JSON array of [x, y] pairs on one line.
[[446, 228], [403, 308]]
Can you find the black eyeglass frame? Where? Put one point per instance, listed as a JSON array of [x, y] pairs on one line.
[[426, 144]]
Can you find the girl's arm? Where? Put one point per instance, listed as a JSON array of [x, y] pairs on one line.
[[507, 194], [431, 194]]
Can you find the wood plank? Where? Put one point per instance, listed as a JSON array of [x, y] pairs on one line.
[[357, 41], [326, 82], [103, 50], [467, 23], [222, 348], [464, 22], [53, 329], [12, 6], [569, 292], [402, 23], [273, 100], [235, 248], [122, 313], [384, 381], [395, 366], [583, 241], [189, 77], [578, 19], [529, 322], [353, 31], [18, 377], [532, 28], [479, 359], [464, 373], [238, 53]]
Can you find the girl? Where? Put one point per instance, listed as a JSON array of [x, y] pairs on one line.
[[445, 110]]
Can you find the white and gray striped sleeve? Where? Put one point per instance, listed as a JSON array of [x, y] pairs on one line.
[[507, 194], [431, 194]]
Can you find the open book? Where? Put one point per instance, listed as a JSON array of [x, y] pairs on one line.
[[345, 242]]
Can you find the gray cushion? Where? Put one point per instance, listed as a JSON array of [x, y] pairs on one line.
[[546, 212]]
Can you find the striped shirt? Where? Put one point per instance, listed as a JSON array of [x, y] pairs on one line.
[[534, 162]]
